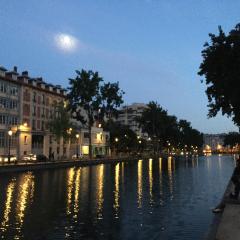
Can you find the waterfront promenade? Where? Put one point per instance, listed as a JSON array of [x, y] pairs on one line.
[[226, 225], [27, 166]]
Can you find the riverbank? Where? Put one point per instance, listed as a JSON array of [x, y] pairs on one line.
[[28, 166], [226, 225], [21, 167]]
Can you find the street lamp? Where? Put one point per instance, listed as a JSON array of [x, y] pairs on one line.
[[9, 144], [77, 136]]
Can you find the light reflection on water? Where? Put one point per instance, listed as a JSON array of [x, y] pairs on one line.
[[70, 185], [100, 185], [150, 180], [116, 191], [7, 209], [139, 188], [145, 199], [170, 175], [25, 196], [77, 190]]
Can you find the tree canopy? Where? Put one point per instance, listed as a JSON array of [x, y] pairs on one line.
[[221, 68], [166, 130], [122, 138], [60, 125], [231, 139], [90, 99]]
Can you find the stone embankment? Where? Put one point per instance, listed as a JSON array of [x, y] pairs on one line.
[[21, 167], [226, 224]]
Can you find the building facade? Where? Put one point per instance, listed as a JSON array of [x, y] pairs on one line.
[[128, 114], [213, 142], [26, 107]]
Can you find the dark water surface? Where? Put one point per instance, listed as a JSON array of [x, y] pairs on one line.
[[149, 199]]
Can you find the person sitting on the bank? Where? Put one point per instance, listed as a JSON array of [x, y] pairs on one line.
[[236, 180]]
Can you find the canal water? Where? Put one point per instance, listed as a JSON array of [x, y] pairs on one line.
[[145, 199]]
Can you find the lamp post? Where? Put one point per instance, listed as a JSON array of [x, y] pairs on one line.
[[116, 141], [169, 144], [77, 137], [9, 144], [69, 132]]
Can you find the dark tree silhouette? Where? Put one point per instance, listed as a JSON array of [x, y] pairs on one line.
[[91, 100], [221, 68]]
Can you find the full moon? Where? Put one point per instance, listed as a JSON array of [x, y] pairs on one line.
[[66, 42]]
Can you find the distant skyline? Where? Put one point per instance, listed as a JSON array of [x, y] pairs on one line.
[[152, 47]]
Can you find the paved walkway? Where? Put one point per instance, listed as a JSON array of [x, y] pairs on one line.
[[229, 227], [226, 225]]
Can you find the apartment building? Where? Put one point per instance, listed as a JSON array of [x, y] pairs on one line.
[[127, 116], [26, 106], [213, 142]]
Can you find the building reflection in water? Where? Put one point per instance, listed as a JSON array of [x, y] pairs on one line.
[[24, 198], [220, 161], [193, 161], [70, 183], [170, 176], [116, 191], [139, 184], [7, 208], [196, 160], [100, 188], [208, 162]]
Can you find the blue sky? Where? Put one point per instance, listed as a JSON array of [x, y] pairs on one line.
[[152, 47]]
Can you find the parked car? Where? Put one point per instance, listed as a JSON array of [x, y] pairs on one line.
[[74, 156], [29, 157], [4, 158]]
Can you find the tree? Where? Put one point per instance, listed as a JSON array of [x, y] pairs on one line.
[[122, 138], [60, 124], [165, 128], [112, 98], [90, 99], [232, 139], [188, 135], [159, 126], [221, 68]]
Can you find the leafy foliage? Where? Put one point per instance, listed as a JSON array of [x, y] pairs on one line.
[[221, 68], [61, 123], [231, 139], [166, 129], [91, 100], [122, 138], [112, 98]]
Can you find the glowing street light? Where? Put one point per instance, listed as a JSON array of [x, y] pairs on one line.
[[116, 139], [77, 137]]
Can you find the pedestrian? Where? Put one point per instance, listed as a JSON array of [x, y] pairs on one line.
[[236, 180]]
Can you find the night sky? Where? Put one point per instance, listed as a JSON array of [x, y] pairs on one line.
[[152, 47]]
